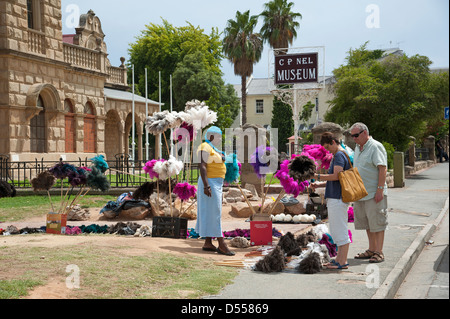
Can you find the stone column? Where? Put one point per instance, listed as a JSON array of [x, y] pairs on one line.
[[412, 152], [430, 144]]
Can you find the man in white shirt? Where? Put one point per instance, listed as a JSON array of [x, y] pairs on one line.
[[371, 212]]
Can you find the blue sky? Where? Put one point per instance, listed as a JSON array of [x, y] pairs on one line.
[[415, 26]]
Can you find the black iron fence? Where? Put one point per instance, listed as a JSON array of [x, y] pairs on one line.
[[123, 173], [422, 154]]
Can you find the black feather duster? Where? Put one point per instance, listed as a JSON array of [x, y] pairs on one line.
[[273, 262], [310, 264], [304, 239], [302, 168], [288, 244], [43, 182], [144, 191]]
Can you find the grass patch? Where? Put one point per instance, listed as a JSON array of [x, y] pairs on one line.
[[24, 207], [107, 273]]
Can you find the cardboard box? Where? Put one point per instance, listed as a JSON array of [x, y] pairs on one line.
[[261, 233], [56, 223]]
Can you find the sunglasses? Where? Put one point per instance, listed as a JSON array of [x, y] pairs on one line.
[[357, 135]]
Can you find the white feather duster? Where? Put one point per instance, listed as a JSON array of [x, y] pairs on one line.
[[168, 168], [199, 115], [161, 121]]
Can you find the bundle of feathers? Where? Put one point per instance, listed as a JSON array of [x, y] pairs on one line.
[[311, 264], [302, 168], [162, 121], [149, 168], [168, 168], [319, 154], [233, 168], [304, 239], [184, 134], [199, 115], [97, 180], [273, 262], [43, 182], [185, 191], [61, 170], [290, 185], [99, 162], [79, 177], [288, 244], [144, 191], [7, 190], [262, 159]]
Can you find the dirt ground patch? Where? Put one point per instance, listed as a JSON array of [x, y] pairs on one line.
[[55, 286]]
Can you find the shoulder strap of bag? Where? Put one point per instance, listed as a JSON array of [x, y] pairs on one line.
[[349, 161]]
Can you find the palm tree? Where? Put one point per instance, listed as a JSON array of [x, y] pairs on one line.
[[243, 48], [280, 23]]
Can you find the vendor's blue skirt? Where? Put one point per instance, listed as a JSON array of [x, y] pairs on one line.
[[209, 209]]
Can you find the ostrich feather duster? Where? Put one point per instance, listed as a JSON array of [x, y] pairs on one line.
[[162, 121], [149, 167], [273, 262], [233, 168], [310, 264], [262, 158], [184, 134], [144, 191], [100, 163], [96, 180], [288, 244], [185, 191], [43, 182], [199, 115], [79, 177], [320, 155], [61, 170], [290, 186], [302, 168], [168, 168]]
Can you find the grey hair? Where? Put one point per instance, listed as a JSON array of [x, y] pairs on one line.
[[360, 126]]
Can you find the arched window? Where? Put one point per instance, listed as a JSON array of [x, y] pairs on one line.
[[70, 127], [89, 128], [37, 130]]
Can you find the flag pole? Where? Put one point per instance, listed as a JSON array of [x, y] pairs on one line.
[[171, 109], [133, 144], [147, 144], [160, 141]]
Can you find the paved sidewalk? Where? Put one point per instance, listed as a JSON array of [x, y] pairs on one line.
[[414, 210]]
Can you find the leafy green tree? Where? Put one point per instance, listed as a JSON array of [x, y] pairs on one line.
[[193, 80], [390, 94], [163, 47], [243, 47], [283, 121]]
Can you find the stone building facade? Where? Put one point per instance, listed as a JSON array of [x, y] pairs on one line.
[[59, 95]]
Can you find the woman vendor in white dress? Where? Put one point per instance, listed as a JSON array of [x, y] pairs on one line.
[[209, 195]]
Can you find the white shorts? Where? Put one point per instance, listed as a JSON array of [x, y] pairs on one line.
[[338, 221]]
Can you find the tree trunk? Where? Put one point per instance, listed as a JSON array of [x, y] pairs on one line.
[[244, 99]]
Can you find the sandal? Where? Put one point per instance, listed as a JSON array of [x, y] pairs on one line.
[[365, 255], [377, 257], [228, 253], [337, 266]]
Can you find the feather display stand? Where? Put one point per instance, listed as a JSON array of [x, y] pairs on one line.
[[44, 181]]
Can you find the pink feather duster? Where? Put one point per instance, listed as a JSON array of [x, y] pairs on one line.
[[320, 155], [148, 168], [290, 186], [185, 191]]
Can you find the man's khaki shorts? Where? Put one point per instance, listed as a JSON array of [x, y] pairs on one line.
[[370, 215]]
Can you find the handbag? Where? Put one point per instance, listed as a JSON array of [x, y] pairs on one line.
[[352, 186]]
